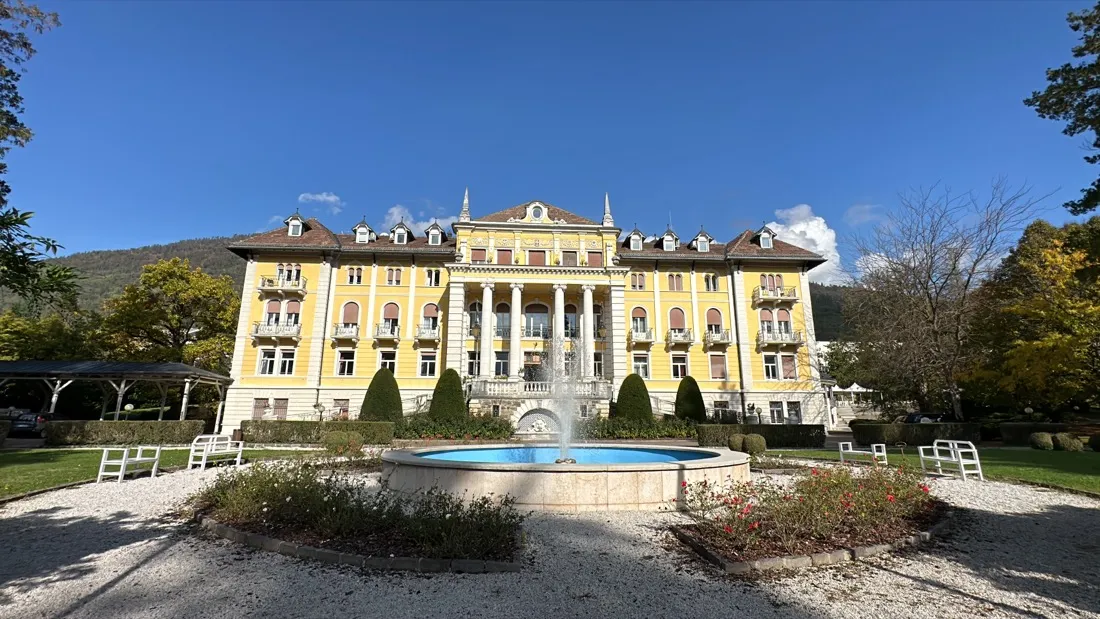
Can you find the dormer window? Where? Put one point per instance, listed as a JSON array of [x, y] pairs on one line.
[[669, 243], [434, 238], [765, 240], [295, 228], [703, 244], [399, 237], [636, 243], [362, 235], [536, 212]]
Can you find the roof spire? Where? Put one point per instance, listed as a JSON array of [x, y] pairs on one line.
[[607, 219], [464, 214]]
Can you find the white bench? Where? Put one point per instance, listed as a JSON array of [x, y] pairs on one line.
[[960, 455], [207, 448], [877, 452], [128, 463]]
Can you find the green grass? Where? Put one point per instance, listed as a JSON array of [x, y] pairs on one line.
[[1075, 470], [25, 470]]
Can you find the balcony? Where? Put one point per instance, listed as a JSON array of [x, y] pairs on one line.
[[276, 331], [679, 336], [721, 336], [760, 294], [641, 336], [282, 285], [595, 389], [387, 331], [537, 331], [779, 337], [346, 332], [427, 332]]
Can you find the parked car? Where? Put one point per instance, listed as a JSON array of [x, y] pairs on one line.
[[29, 423], [921, 418]]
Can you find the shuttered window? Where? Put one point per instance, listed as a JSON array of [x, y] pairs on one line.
[[788, 367], [718, 367], [595, 259], [351, 313], [477, 255], [504, 256], [676, 319], [536, 258]]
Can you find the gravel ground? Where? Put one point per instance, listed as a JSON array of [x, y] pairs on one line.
[[111, 551]]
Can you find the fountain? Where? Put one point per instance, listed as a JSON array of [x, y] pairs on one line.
[[566, 476]]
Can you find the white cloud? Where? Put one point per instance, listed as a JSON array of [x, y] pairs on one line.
[[398, 213], [329, 200], [799, 226], [274, 219], [859, 214]]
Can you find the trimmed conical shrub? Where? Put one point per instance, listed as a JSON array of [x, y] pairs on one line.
[[448, 404], [383, 399], [633, 401], [689, 401]]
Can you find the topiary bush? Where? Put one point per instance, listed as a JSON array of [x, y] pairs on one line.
[[633, 401], [737, 442], [1019, 433], [777, 435], [689, 401], [1064, 441], [755, 444], [618, 428], [342, 443], [1094, 442], [1040, 440], [383, 399], [448, 402]]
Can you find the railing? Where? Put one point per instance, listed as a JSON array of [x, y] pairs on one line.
[[261, 329], [595, 389], [543, 331], [774, 294], [282, 284], [503, 331], [721, 336], [427, 332], [387, 331], [679, 336], [345, 331], [641, 336], [779, 337]]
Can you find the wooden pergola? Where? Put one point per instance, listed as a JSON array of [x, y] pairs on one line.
[[121, 375]]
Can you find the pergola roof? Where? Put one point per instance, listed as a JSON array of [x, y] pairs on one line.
[[109, 370]]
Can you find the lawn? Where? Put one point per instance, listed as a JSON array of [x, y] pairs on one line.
[[25, 470], [1076, 470]]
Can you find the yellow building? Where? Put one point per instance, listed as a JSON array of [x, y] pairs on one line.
[[495, 296]]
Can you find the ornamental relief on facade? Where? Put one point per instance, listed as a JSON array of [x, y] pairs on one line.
[[538, 242], [479, 242]]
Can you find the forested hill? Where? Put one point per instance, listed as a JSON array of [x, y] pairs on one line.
[[105, 273]]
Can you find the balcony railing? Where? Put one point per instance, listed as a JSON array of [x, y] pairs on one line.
[[774, 294], [543, 331], [282, 284], [492, 388], [427, 332], [387, 331], [641, 335], [345, 332], [679, 336], [779, 337], [721, 336], [263, 329]]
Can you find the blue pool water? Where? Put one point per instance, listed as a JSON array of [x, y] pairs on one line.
[[583, 455]]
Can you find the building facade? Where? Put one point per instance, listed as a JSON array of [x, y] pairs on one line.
[[512, 300]]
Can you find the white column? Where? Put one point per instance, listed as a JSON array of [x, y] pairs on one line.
[[515, 352], [487, 330], [323, 296], [743, 316], [695, 329], [655, 323], [559, 327], [413, 315], [244, 322], [589, 326], [367, 331], [616, 344], [808, 319], [456, 329]]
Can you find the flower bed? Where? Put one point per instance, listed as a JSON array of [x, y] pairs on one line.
[[820, 511], [297, 503]]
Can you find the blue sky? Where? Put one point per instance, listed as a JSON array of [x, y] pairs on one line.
[[157, 121]]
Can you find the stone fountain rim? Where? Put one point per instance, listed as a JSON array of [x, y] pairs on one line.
[[411, 457]]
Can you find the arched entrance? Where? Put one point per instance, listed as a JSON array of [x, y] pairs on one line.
[[537, 421]]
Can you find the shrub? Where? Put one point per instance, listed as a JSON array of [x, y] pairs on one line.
[[383, 399], [689, 401], [295, 501], [633, 401], [737, 442], [5, 428], [777, 435], [1041, 440], [755, 444], [914, 433], [342, 443], [1094, 441], [312, 432], [123, 432], [619, 428], [856, 422], [448, 402], [1019, 434], [1064, 441], [469, 428]]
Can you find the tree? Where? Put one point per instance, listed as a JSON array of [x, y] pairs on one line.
[[23, 269], [633, 401], [175, 313], [448, 403], [689, 401], [383, 399], [912, 312]]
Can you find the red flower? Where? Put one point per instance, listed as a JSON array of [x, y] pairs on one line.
[[754, 526], [683, 484], [728, 529], [813, 471], [924, 488], [890, 498]]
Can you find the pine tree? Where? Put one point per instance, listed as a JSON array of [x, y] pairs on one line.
[[383, 399]]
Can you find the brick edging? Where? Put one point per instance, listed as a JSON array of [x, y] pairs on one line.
[[324, 555], [818, 559]]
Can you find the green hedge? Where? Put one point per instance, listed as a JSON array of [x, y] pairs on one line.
[[312, 432], [777, 435], [622, 428], [914, 433], [424, 427], [123, 432], [5, 428], [633, 401], [1017, 433]]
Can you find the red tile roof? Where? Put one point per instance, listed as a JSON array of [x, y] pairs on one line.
[[552, 212], [314, 235], [740, 247]]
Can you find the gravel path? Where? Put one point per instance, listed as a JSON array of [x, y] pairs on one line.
[[110, 551]]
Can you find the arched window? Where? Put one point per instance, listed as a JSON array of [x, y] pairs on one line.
[[771, 282], [393, 276], [294, 273], [676, 320], [475, 316], [763, 281], [783, 321], [350, 317], [274, 309], [779, 281], [390, 318], [293, 312], [714, 321], [571, 320], [638, 322], [355, 275], [675, 281], [504, 320], [766, 325], [597, 319], [280, 272], [536, 321], [430, 317]]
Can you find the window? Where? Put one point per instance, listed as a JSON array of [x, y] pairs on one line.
[[703, 244], [286, 362], [393, 276], [710, 282], [399, 237], [293, 273], [434, 238], [259, 407], [571, 321], [771, 367], [345, 365], [637, 281], [794, 412], [496, 410], [668, 244], [293, 312], [766, 325], [478, 256], [341, 408], [295, 228], [569, 258], [776, 410], [504, 320], [766, 241], [638, 322], [427, 364], [273, 312], [281, 404], [350, 315], [536, 257], [473, 363], [679, 366], [790, 372], [537, 319], [585, 411], [677, 322], [500, 364], [475, 316], [362, 235], [536, 213], [267, 362], [431, 277], [597, 320], [718, 367], [783, 322], [504, 256], [641, 365], [429, 321], [675, 282], [714, 321], [390, 317], [355, 275], [388, 359], [595, 259], [597, 364], [635, 243]]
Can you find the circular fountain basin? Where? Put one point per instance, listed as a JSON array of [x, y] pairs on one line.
[[605, 477]]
